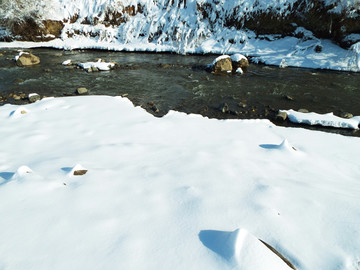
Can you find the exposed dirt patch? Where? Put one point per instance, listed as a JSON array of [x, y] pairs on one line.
[[30, 29]]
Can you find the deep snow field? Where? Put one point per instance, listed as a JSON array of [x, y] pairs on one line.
[[177, 192]]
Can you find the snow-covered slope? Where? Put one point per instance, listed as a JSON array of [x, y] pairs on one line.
[[178, 192], [271, 31]]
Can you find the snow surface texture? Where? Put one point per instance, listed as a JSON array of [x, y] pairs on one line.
[[173, 26], [328, 119], [171, 192]]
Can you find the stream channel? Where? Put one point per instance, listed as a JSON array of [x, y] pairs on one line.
[[163, 82]]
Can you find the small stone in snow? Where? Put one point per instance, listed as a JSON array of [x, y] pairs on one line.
[[80, 172]]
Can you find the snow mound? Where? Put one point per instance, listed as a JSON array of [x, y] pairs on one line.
[[328, 119], [242, 249], [103, 66], [284, 146], [22, 171], [19, 112], [78, 169], [237, 57]]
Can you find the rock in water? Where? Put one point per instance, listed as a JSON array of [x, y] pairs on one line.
[[33, 97], [281, 116], [27, 59], [347, 115], [81, 91], [303, 110], [222, 64], [239, 61]]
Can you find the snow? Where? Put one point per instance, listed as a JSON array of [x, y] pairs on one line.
[[20, 54], [166, 26], [177, 192], [66, 62], [239, 70], [242, 249], [99, 65], [328, 119], [237, 57]]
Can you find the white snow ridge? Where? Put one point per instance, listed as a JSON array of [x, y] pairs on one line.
[[243, 250]]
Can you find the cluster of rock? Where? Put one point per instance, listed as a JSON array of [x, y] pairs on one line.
[[236, 63], [31, 98]]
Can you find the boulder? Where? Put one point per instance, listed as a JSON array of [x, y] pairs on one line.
[[239, 62], [27, 59], [222, 64]]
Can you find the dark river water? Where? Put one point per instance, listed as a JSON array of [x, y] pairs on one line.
[[163, 82]]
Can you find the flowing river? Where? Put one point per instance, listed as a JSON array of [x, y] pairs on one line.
[[163, 82]]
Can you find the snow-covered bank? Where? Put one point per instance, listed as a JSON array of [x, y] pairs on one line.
[[271, 32], [159, 193], [283, 52]]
